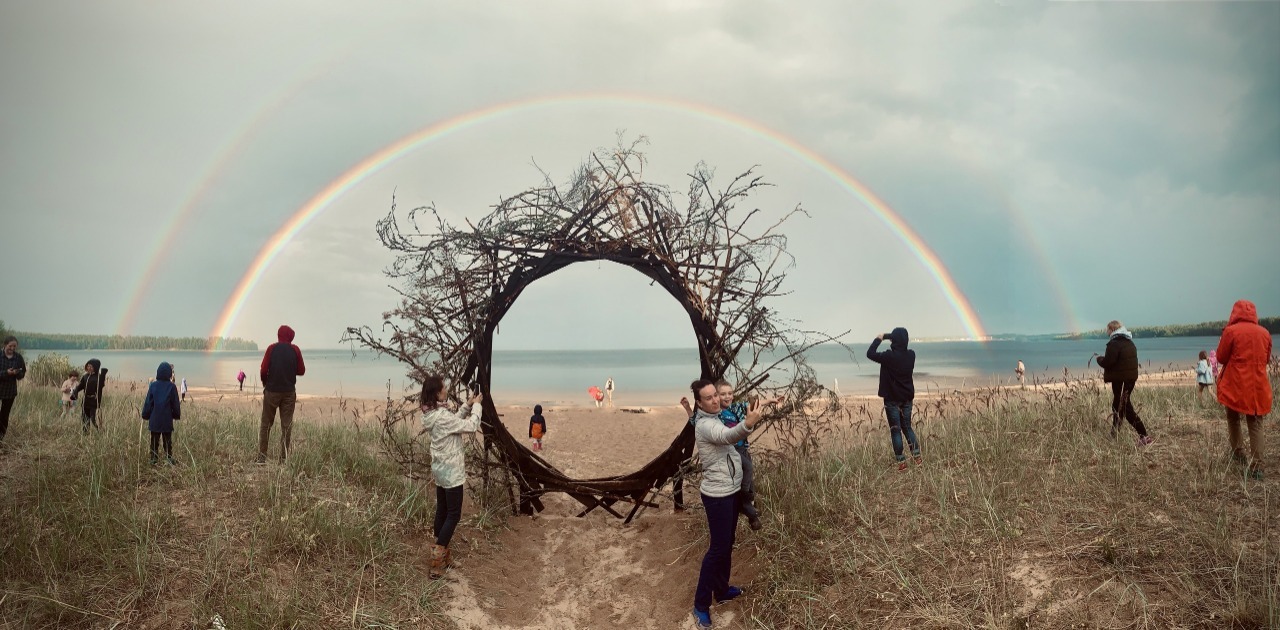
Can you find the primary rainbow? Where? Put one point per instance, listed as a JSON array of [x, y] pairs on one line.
[[394, 151]]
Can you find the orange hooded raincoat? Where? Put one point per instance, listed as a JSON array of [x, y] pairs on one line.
[[1244, 350]]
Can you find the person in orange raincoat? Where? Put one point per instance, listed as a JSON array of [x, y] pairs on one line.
[[1243, 387]]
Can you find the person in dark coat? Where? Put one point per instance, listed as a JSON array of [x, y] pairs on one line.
[[537, 427], [281, 366], [1120, 368], [13, 368], [160, 409], [92, 384], [898, 390]]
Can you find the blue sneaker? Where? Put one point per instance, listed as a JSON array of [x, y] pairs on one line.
[[702, 617], [730, 594]]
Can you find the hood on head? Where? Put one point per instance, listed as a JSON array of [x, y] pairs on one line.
[[164, 372], [899, 338], [285, 334], [97, 365], [1243, 311], [1121, 332], [537, 410]]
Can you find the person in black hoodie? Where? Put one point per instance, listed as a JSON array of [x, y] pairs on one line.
[[92, 384], [281, 366], [12, 369], [537, 427], [898, 390], [1120, 368]]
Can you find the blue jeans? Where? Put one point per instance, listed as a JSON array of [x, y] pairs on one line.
[[899, 414], [448, 513], [722, 524]]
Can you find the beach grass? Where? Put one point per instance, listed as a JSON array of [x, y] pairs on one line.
[[1025, 513], [95, 537]]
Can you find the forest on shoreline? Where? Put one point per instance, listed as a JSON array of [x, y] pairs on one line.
[[50, 341]]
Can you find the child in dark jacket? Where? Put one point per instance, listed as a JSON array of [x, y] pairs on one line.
[[898, 389], [92, 384], [537, 427], [160, 409]]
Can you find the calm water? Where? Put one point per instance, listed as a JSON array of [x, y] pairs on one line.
[[647, 377]]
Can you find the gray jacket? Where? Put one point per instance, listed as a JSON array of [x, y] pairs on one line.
[[721, 464]]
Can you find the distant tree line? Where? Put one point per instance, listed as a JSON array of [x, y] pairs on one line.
[[45, 341], [1203, 329]]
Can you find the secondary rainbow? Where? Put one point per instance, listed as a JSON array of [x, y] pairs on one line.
[[398, 149]]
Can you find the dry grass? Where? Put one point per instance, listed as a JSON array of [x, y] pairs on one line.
[[1026, 514], [94, 537]]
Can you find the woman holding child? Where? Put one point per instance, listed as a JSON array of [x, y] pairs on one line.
[[721, 482]]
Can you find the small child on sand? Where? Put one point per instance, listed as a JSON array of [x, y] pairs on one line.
[[537, 427], [1204, 375], [67, 387]]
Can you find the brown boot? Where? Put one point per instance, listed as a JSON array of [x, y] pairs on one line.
[[439, 561]]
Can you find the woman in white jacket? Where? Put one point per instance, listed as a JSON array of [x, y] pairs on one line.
[[448, 464], [721, 480]]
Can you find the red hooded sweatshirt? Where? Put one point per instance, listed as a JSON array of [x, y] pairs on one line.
[[280, 367], [1244, 350]]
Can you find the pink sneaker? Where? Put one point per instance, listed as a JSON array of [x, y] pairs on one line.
[[1144, 440]]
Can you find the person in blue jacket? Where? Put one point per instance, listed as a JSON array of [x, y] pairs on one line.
[[898, 389], [160, 409]]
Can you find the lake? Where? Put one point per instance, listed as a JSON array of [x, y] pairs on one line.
[[646, 377]]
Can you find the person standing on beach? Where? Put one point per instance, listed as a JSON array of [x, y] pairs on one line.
[[67, 387], [1120, 368], [92, 384], [281, 366], [1243, 387], [184, 389], [1020, 371], [537, 427], [240, 378], [13, 368], [721, 483], [608, 390], [448, 462], [160, 409], [898, 389], [1204, 375]]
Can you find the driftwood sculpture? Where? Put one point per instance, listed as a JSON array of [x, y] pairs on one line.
[[459, 282]]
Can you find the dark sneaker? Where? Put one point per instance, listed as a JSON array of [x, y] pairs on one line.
[[1256, 475], [731, 594], [754, 523], [172, 461], [702, 618], [262, 459]]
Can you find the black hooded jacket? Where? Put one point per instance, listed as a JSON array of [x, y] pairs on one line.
[[896, 366], [92, 384]]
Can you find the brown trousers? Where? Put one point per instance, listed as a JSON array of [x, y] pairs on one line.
[[271, 401], [1256, 446]]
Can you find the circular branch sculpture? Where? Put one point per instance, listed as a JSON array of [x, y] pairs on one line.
[[459, 282]]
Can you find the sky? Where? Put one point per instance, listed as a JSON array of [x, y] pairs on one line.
[[1064, 163]]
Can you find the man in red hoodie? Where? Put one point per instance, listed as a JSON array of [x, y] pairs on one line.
[[281, 366], [1244, 387]]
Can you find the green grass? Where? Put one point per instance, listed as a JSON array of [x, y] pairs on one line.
[[94, 536], [1025, 514]]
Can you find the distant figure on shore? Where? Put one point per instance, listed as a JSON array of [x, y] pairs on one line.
[[1120, 368], [448, 462], [1204, 375], [281, 366], [160, 409], [898, 389], [596, 395], [13, 368], [240, 379], [721, 483], [1021, 371], [537, 427], [93, 383], [608, 390], [1214, 365], [66, 388], [184, 389], [1243, 388]]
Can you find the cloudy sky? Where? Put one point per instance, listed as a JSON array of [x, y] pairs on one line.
[[1067, 162]]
